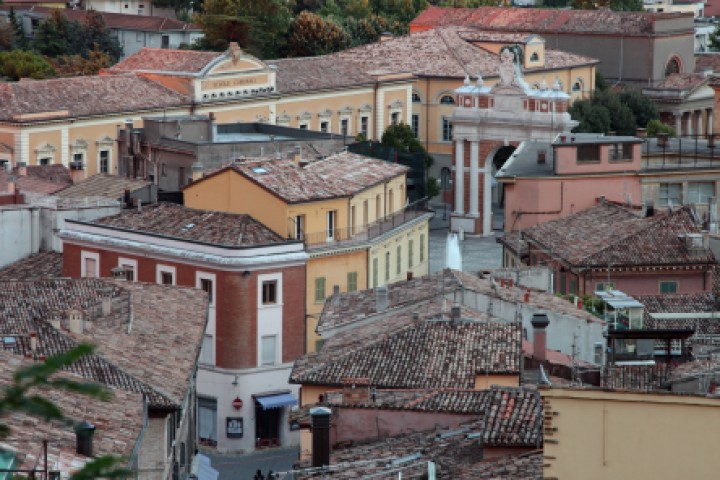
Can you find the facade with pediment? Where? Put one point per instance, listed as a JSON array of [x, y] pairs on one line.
[[75, 121]]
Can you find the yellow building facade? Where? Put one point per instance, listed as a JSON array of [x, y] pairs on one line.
[[358, 230], [598, 434]]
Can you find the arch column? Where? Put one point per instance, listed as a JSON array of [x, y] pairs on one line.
[[459, 177], [474, 180], [678, 124], [709, 124], [487, 198]]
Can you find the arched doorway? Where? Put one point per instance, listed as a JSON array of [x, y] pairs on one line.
[[498, 159], [673, 66]]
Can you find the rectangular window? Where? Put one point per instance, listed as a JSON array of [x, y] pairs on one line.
[[604, 287], [207, 420], [44, 161], [303, 126], [364, 121], [104, 161], [573, 285], [561, 280], [447, 131], [378, 208], [387, 266], [352, 281], [269, 292], [78, 158], [324, 126], [422, 247], [588, 153], [165, 42], [268, 350], [411, 251], [668, 287], [670, 194], [166, 278], [353, 220], [344, 126], [700, 192], [320, 290], [330, 225], [207, 286], [206, 352], [89, 267], [394, 118], [415, 119], [375, 272], [130, 266], [398, 260], [620, 152], [299, 227]]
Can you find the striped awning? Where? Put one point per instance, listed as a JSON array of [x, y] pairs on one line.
[[279, 400]]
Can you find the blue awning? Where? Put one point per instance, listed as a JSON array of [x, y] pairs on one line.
[[276, 401]]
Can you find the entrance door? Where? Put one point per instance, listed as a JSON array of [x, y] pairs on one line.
[[330, 224], [267, 426]]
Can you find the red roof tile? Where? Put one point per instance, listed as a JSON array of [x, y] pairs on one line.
[[125, 21], [537, 20], [31, 100], [165, 60], [39, 266]]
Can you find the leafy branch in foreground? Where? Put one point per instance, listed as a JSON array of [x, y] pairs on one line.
[[17, 397]]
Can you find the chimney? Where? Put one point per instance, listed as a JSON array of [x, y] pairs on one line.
[[455, 314], [106, 296], [320, 422], [641, 132], [127, 198], [11, 185], [22, 169], [76, 322], [197, 171], [381, 298], [385, 36], [55, 320], [84, 432], [336, 296], [33, 341], [539, 322], [416, 318], [211, 128]]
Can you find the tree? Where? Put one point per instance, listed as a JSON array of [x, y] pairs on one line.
[[592, 118], [401, 137], [622, 120], [54, 35], [616, 5], [57, 36], [310, 35], [368, 30], [22, 396], [76, 65], [655, 127], [641, 106], [17, 64], [93, 34], [19, 40]]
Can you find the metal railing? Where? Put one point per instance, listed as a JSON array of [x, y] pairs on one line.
[[364, 233], [686, 152]]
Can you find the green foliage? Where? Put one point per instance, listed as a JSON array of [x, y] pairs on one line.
[[56, 36], [600, 82], [655, 127], [592, 118], [17, 64], [432, 187], [641, 106], [368, 30], [310, 35], [715, 39], [20, 42], [180, 6], [21, 396], [622, 120], [260, 26], [401, 137], [617, 5]]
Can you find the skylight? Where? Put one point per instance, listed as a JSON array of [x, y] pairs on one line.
[[259, 170]]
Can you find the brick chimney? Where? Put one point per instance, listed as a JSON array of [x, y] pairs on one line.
[[381, 298], [106, 296], [11, 185], [76, 321], [539, 322]]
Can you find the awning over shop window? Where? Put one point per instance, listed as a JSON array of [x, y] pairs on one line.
[[276, 401]]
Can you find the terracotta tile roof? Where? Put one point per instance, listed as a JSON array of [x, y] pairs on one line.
[[610, 233], [679, 302], [695, 368], [165, 60], [445, 400], [102, 185], [125, 21], [545, 20], [681, 81], [707, 61], [456, 453], [31, 100], [39, 179], [441, 53], [39, 266], [155, 356], [316, 73], [419, 294], [175, 221], [340, 175], [644, 378], [118, 423], [431, 352]]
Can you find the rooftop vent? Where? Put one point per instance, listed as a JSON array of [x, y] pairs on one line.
[[381, 298]]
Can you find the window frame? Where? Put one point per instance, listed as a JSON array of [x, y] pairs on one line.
[[446, 129], [387, 266], [665, 283], [588, 153], [411, 247], [422, 247], [165, 269], [663, 199], [443, 100], [691, 196], [210, 277], [125, 262], [398, 260], [352, 281], [269, 293], [320, 289], [415, 124], [85, 255], [263, 362]]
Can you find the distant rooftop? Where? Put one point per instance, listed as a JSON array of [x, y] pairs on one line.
[[39, 266], [102, 185], [178, 222]]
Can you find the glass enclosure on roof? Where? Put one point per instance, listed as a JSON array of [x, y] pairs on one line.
[[621, 311]]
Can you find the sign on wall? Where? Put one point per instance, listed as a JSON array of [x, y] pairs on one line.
[[234, 427]]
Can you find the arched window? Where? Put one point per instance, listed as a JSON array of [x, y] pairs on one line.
[[415, 98], [577, 86], [534, 57], [447, 100], [673, 66]]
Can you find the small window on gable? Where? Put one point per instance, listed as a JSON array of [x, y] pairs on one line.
[[534, 57], [447, 100]]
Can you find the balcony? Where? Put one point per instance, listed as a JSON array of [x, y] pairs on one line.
[[341, 237]]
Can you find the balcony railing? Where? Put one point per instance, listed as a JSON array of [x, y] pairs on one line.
[[687, 152], [363, 233]]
